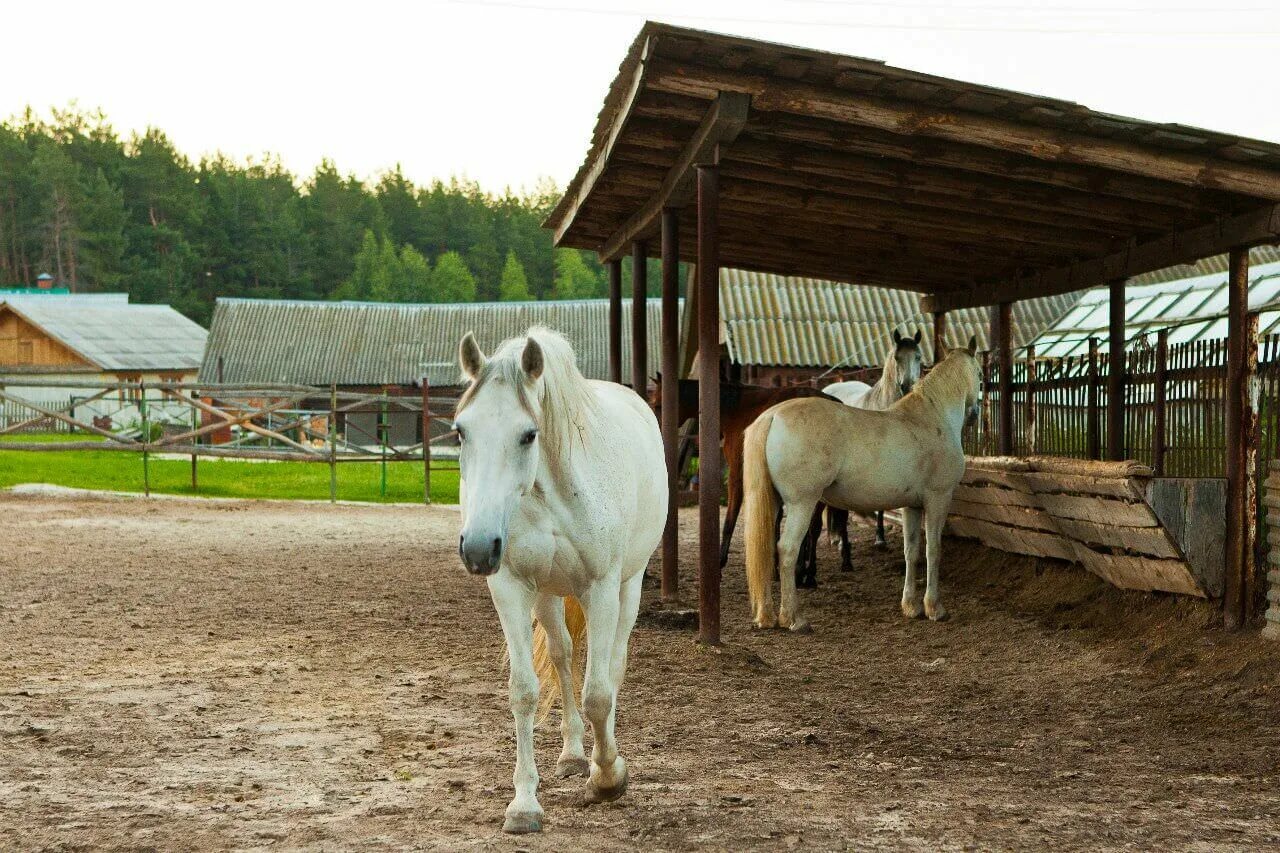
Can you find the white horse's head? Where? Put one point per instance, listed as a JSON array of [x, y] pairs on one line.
[[905, 364], [973, 373], [497, 423]]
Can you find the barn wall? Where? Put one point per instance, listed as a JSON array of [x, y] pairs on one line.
[[23, 345]]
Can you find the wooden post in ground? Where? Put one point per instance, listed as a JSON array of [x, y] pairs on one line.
[[426, 441], [639, 318], [615, 321], [671, 396], [1093, 425], [146, 438], [333, 443], [1115, 373], [939, 334], [708, 405], [1160, 421], [1239, 550], [1029, 438], [195, 471], [1002, 316]]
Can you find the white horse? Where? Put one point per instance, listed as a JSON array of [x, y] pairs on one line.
[[900, 374], [564, 496], [809, 450]]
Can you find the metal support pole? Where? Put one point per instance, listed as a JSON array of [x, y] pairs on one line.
[[1093, 425], [709, 406], [333, 444], [1159, 426], [1239, 551], [1116, 373], [615, 321], [671, 397], [939, 335], [146, 438], [426, 441], [1003, 316], [639, 318]]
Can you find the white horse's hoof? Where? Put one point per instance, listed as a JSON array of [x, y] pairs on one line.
[[522, 823], [801, 626], [597, 793], [573, 766], [936, 612], [912, 609]]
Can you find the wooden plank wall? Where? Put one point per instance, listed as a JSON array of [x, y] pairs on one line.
[[1092, 513], [1271, 500], [24, 345]]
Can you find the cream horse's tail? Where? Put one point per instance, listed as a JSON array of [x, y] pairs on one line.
[[543, 664], [759, 512]]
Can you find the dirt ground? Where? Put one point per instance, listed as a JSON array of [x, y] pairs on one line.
[[199, 675]]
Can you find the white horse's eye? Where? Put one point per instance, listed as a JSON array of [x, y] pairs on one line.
[[528, 437]]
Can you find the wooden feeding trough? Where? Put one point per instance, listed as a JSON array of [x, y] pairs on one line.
[[1114, 518]]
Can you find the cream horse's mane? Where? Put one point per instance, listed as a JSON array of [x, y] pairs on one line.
[[950, 379], [566, 407]]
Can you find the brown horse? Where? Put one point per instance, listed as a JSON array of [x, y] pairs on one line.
[[740, 405]]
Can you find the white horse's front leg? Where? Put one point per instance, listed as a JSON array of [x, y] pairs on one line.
[[935, 517], [795, 527], [514, 603], [911, 607], [573, 758], [602, 604]]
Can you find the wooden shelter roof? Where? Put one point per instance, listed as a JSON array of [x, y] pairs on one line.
[[843, 168]]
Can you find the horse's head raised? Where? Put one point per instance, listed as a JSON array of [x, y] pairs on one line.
[[973, 399], [907, 361], [497, 423]]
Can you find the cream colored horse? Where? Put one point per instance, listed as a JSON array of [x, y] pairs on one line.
[[564, 498], [810, 450]]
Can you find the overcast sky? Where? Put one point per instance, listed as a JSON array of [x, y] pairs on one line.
[[506, 91]]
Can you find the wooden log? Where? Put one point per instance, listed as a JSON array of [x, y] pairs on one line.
[[1148, 541], [1081, 484], [1099, 510], [1033, 543], [984, 494], [1142, 573], [1016, 516]]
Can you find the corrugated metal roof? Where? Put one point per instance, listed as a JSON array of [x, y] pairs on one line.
[[1192, 307], [789, 321], [375, 343], [114, 335]]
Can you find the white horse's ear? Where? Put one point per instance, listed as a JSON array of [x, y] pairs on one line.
[[531, 359], [918, 333], [897, 338], [973, 345], [470, 356]]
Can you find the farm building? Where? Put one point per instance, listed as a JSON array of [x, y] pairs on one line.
[[368, 346], [733, 152], [777, 329], [63, 339]]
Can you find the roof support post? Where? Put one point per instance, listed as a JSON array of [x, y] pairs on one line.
[[670, 391], [708, 404], [1002, 334], [1116, 373], [615, 321], [939, 335], [1241, 448], [639, 318]]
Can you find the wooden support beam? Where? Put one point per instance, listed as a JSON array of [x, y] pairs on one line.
[[1247, 229], [1002, 319], [721, 125], [708, 405], [1093, 425], [967, 128], [1239, 551], [939, 335], [670, 391], [639, 319], [1115, 373], [615, 321]]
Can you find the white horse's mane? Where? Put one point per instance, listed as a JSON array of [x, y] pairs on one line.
[[567, 408], [949, 379]]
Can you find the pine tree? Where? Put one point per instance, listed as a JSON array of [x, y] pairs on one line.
[[452, 281], [573, 279], [515, 286], [416, 270]]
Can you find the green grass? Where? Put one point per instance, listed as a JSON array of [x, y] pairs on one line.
[[122, 472]]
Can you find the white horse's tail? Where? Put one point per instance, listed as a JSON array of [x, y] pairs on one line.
[[759, 512], [548, 681]]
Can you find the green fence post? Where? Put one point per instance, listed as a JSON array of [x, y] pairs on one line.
[[195, 440], [333, 444], [146, 438], [382, 439]]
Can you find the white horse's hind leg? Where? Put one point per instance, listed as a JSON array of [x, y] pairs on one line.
[[602, 604], [911, 606], [935, 516], [795, 527], [550, 612], [514, 603]]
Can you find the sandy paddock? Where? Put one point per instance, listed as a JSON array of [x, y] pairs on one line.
[[185, 674]]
